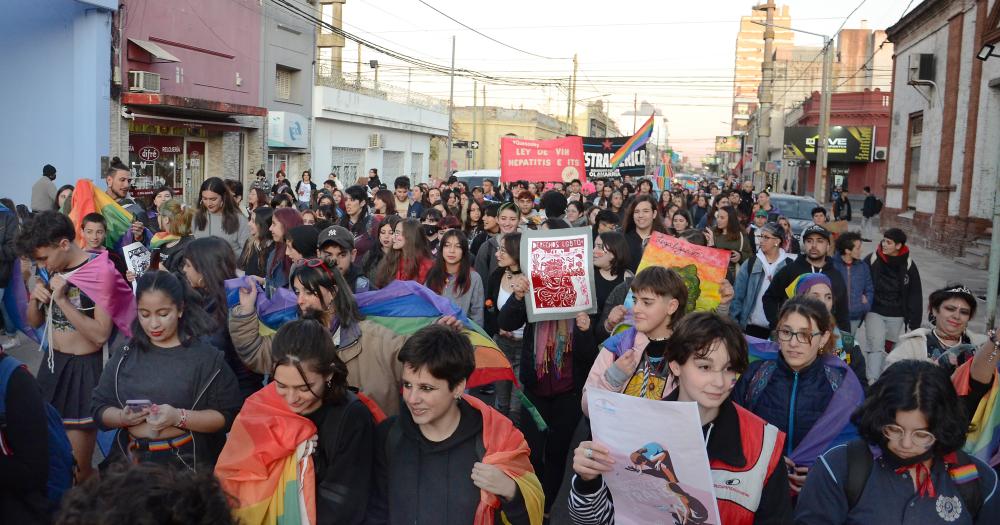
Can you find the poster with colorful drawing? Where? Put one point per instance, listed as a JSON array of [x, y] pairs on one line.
[[559, 265], [702, 268], [661, 472]]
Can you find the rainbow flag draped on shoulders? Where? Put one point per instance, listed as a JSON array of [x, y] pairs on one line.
[[983, 441], [272, 312], [99, 279], [635, 142], [265, 465], [88, 199], [507, 450], [406, 306]]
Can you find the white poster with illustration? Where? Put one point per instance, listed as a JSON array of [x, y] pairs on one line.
[[661, 473], [137, 259]]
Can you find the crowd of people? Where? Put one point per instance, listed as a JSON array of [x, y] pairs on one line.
[[190, 392]]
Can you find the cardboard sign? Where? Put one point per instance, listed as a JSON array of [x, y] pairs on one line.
[[555, 160], [559, 265], [661, 472], [703, 269]]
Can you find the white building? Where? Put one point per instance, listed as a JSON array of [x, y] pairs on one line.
[[358, 128]]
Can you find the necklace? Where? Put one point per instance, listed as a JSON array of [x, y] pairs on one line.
[[942, 339]]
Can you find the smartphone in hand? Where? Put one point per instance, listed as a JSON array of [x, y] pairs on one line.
[[137, 405]]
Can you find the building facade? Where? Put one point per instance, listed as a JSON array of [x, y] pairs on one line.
[[750, 57], [288, 48], [57, 109], [943, 162], [488, 124], [188, 104]]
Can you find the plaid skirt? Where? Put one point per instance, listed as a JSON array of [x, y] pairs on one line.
[[69, 386]]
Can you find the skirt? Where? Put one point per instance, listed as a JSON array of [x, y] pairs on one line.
[[70, 386]]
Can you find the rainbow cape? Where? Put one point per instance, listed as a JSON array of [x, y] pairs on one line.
[[99, 279], [641, 137], [507, 450], [264, 465], [406, 306], [161, 239], [88, 199], [983, 441]]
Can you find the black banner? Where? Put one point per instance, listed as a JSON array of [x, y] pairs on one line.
[[597, 153], [846, 143]]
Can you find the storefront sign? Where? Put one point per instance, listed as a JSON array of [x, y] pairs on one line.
[[597, 153], [727, 144], [845, 143], [155, 161], [287, 130], [555, 160], [148, 153]]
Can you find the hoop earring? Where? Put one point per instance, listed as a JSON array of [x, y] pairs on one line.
[[932, 318]]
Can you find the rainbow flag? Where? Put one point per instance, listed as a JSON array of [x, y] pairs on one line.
[[265, 466], [761, 349], [99, 279], [983, 441], [160, 239], [272, 312], [701, 268], [406, 306], [507, 450], [88, 199], [641, 137]]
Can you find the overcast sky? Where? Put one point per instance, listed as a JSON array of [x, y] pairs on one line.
[[678, 59]]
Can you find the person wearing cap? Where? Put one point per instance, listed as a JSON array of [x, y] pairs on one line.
[[336, 247], [43, 192], [759, 220], [948, 342], [898, 297], [748, 308], [813, 259]]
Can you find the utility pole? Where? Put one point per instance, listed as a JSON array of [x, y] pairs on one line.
[[635, 112], [993, 282], [572, 98], [357, 79], [475, 109], [451, 107], [766, 94], [482, 159], [823, 140]]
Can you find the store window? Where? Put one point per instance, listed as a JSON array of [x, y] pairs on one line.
[[913, 145], [276, 162], [155, 161]]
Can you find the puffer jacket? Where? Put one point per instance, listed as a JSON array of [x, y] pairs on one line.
[[371, 361], [606, 358], [749, 281], [858, 278], [807, 392]]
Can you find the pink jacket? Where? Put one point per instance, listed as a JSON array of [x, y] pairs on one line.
[[606, 359]]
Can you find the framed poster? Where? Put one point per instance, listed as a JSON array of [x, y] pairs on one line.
[[559, 265], [661, 472]]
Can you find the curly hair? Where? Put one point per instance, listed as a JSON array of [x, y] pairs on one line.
[[47, 228], [147, 494], [914, 385]]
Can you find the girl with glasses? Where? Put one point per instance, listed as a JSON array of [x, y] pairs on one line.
[[806, 391], [908, 465]]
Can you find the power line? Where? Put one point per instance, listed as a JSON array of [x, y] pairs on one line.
[[488, 37]]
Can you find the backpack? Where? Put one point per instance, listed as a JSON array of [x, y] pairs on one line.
[[859, 468], [878, 205], [61, 462]]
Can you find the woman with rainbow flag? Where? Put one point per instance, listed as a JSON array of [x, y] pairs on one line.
[[175, 233], [908, 465], [444, 437], [305, 442]]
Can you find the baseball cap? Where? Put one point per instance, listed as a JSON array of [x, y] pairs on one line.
[[336, 234], [760, 213], [816, 229]]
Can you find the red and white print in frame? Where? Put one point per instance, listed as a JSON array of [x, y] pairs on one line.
[[560, 270]]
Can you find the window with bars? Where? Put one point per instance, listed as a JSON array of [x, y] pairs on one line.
[[416, 167], [282, 83], [345, 164]]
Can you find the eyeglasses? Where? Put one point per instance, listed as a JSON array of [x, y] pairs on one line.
[[802, 337], [920, 438], [769, 238]]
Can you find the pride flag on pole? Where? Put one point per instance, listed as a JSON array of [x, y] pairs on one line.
[[88, 199], [641, 137]]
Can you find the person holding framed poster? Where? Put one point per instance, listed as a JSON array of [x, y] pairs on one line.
[[558, 345]]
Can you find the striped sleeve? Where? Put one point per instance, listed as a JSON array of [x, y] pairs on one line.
[[588, 506]]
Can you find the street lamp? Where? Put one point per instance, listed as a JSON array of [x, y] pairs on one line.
[[986, 52], [822, 141]]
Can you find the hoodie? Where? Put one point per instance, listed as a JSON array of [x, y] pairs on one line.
[[775, 296]]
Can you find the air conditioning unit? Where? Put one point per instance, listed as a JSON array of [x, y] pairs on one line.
[[375, 141], [143, 82], [881, 153], [921, 66]]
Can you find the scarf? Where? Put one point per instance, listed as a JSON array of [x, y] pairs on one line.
[[161, 239], [553, 340], [921, 474]]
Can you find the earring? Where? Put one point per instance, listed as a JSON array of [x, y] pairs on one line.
[[932, 318], [329, 384]]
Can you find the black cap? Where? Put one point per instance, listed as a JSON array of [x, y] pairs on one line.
[[816, 229], [48, 170]]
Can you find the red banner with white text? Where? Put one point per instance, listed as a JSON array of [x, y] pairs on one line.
[[555, 160]]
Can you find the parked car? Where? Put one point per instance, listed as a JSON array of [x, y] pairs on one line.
[[797, 209]]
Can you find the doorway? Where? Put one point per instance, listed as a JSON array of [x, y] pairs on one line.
[[194, 169]]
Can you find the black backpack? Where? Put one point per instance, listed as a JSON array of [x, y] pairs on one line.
[[859, 468], [878, 205]]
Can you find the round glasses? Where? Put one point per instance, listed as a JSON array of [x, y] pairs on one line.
[[920, 438]]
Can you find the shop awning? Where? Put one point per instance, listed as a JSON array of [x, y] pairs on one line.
[[155, 50], [208, 125]]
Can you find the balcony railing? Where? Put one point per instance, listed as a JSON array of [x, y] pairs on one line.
[[367, 86]]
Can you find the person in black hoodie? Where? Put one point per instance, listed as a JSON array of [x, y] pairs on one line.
[[898, 298], [24, 456], [814, 259], [435, 448]]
